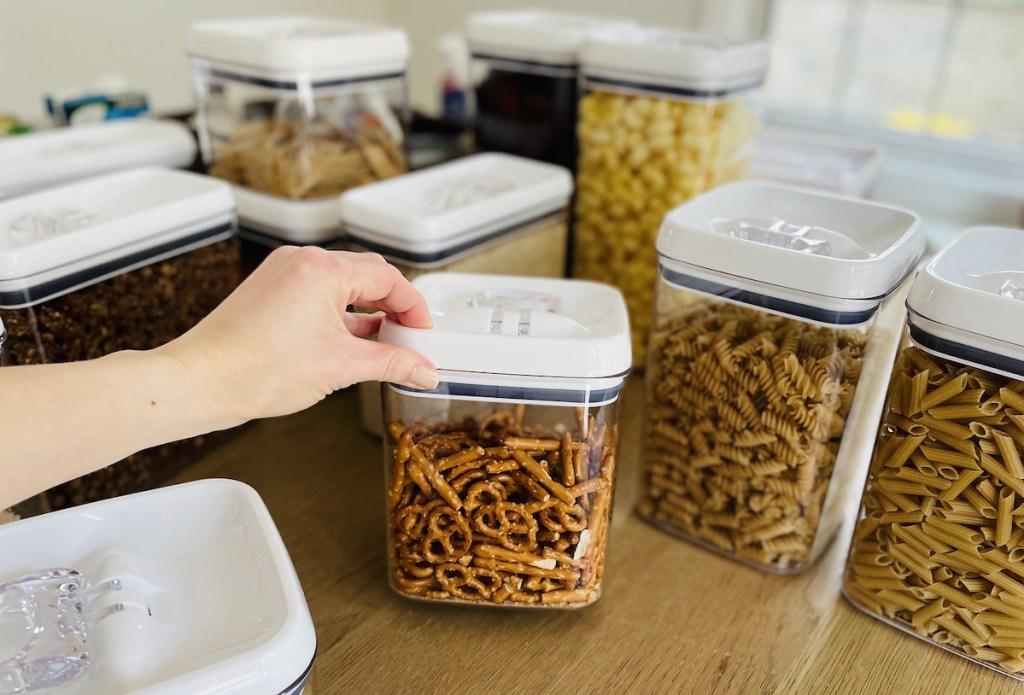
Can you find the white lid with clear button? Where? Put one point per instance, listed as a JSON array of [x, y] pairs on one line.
[[968, 302], [804, 253], [523, 339]]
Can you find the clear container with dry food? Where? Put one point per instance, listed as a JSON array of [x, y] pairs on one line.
[[526, 68], [499, 481], [938, 550], [665, 116], [487, 213], [300, 107], [125, 261], [767, 362]]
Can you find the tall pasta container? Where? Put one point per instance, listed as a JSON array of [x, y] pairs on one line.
[[765, 333], [125, 261], [665, 116], [938, 549], [487, 213], [297, 107], [499, 481]]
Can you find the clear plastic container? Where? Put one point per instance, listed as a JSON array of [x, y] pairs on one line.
[[125, 261], [500, 480], [266, 222], [486, 213], [300, 107], [525, 66], [763, 332], [665, 116], [938, 550]]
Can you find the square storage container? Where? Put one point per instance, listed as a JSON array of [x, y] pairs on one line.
[[765, 330], [665, 115], [803, 158], [526, 67], [300, 107], [125, 261], [938, 549], [499, 481], [267, 221]]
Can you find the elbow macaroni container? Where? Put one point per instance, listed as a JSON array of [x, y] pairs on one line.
[[499, 481], [665, 116], [526, 65], [300, 107], [765, 330], [125, 261], [938, 549]]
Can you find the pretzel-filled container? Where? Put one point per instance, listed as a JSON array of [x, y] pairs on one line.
[[766, 360], [125, 261], [665, 116], [499, 481], [938, 550], [300, 107]]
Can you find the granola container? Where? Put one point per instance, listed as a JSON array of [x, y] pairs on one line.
[[938, 549], [764, 366], [125, 261], [499, 481], [526, 68], [487, 213], [665, 115], [300, 107]]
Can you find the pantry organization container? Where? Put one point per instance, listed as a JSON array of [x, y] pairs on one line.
[[47, 158], [665, 115], [937, 550], [300, 107], [525, 67], [499, 481], [183, 590], [486, 213], [124, 261], [266, 222], [767, 359]]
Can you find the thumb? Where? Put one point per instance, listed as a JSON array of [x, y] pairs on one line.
[[367, 360]]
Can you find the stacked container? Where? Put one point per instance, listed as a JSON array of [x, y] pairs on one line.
[[938, 549], [764, 354], [665, 116], [499, 481], [122, 261]]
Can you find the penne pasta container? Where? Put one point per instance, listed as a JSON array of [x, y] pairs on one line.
[[499, 481], [938, 549], [766, 326]]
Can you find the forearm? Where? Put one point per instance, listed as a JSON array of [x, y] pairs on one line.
[[61, 421]]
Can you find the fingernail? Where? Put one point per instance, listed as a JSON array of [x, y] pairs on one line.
[[423, 378]]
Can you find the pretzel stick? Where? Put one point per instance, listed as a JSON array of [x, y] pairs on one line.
[[520, 568], [498, 452], [395, 430], [531, 465], [435, 479], [532, 444], [498, 553], [417, 476], [567, 596], [531, 486], [568, 466], [502, 466], [588, 486], [457, 459]]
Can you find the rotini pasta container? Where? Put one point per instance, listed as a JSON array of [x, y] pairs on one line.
[[665, 115], [125, 261], [300, 107], [766, 358], [487, 213], [938, 549], [499, 481]]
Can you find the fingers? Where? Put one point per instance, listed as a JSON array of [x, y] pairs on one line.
[[365, 360], [362, 325], [373, 283]]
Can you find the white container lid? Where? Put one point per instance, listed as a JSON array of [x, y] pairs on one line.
[[968, 302], [518, 338], [809, 159], [49, 157], [794, 251], [272, 220], [279, 51], [672, 60], [228, 612], [433, 215], [59, 240], [533, 35]]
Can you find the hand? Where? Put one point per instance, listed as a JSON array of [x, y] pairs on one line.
[[283, 340]]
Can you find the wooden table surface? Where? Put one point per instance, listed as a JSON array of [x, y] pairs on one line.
[[672, 617]]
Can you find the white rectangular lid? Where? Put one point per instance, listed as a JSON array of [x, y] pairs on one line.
[[58, 240], [285, 220], [447, 208], [303, 48], [48, 157], [840, 165], [534, 35]]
